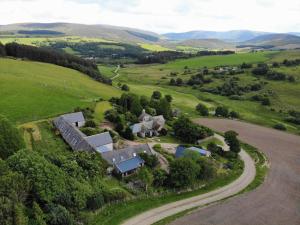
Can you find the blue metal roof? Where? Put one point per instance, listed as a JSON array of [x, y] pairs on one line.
[[130, 164], [180, 150]]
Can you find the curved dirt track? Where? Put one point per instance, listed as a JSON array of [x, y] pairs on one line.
[[153, 215], [277, 201]]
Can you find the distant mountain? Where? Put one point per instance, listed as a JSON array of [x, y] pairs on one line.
[[122, 34], [207, 43], [279, 41], [231, 36], [295, 33]]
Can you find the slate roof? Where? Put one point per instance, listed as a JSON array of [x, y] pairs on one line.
[[99, 139], [136, 128], [180, 150], [154, 123], [74, 117], [144, 115], [74, 137], [117, 156], [130, 164]]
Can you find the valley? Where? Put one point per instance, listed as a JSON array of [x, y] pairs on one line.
[[102, 124]]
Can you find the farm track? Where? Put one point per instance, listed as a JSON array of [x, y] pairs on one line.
[[277, 200], [157, 214]]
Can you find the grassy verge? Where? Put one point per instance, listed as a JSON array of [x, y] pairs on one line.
[[117, 213], [261, 165], [261, 172]]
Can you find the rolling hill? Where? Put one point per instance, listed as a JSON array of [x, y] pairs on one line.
[[207, 44], [279, 41], [232, 36], [122, 34], [193, 40], [32, 90]]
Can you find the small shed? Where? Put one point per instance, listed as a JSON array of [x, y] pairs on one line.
[[129, 166], [76, 119]]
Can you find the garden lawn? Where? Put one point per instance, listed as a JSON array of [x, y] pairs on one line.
[[100, 109]]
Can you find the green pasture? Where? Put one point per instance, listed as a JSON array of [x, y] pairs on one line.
[[32, 90]]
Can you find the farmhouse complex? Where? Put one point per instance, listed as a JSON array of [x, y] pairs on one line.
[[124, 161]]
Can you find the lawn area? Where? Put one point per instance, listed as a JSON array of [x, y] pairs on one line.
[[32, 90], [100, 109]]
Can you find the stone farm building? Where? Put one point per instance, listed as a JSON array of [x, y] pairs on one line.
[[68, 125], [123, 161], [148, 125], [127, 160]]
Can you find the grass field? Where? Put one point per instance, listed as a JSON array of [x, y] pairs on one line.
[[282, 55], [37, 41], [211, 61], [100, 109], [154, 47], [32, 90], [185, 102], [143, 79]]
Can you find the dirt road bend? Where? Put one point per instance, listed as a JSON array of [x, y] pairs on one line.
[[154, 215], [277, 201]]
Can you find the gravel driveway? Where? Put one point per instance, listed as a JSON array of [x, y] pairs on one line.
[[277, 201]]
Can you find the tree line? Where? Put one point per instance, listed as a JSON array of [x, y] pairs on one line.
[[51, 56]]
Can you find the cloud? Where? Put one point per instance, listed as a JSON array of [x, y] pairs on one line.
[[159, 15]]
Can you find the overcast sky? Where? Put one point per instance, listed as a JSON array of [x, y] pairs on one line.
[[160, 15]]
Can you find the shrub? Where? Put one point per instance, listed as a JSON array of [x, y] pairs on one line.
[[260, 70], [128, 134], [160, 177], [168, 98], [183, 172], [232, 141], [189, 132], [266, 101], [150, 160], [96, 201], [90, 123], [279, 126], [222, 111], [202, 109], [89, 131], [10, 139], [234, 114], [59, 215], [163, 132], [125, 87], [156, 95], [114, 195]]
